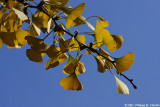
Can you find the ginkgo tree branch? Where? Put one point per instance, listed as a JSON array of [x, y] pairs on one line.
[[83, 46], [58, 28]]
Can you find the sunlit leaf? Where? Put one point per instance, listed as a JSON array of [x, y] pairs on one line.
[[20, 14], [98, 32], [49, 25], [108, 41], [103, 21], [121, 87], [62, 57], [35, 30], [124, 63], [118, 39], [71, 82], [90, 25], [34, 55], [77, 11], [20, 36]]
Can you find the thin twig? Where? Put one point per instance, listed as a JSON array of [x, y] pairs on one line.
[[130, 80]]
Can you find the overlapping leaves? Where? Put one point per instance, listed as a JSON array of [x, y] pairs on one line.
[[47, 18]]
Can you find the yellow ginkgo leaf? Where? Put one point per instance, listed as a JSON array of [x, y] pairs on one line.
[[103, 52], [80, 68], [121, 87], [20, 14], [35, 30], [118, 39], [124, 63], [34, 55], [35, 43], [52, 51], [77, 11], [49, 25], [79, 20], [60, 33], [20, 36], [71, 82], [108, 40], [1, 42], [98, 32], [103, 21], [69, 67], [100, 64], [62, 57], [3, 29], [8, 38], [53, 62]]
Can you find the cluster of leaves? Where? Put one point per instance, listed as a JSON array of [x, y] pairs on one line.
[[48, 18]]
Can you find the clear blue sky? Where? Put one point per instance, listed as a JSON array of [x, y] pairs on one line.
[[27, 84]]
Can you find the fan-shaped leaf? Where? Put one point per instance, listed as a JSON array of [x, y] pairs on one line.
[[20, 14], [118, 39], [108, 41], [34, 55], [101, 64], [124, 63], [71, 82], [121, 87], [77, 11], [53, 62]]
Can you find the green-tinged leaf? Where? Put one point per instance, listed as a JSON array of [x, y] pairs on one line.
[[121, 87], [108, 40], [69, 67], [118, 39], [77, 11], [101, 64], [71, 82], [124, 63], [20, 14], [34, 55]]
